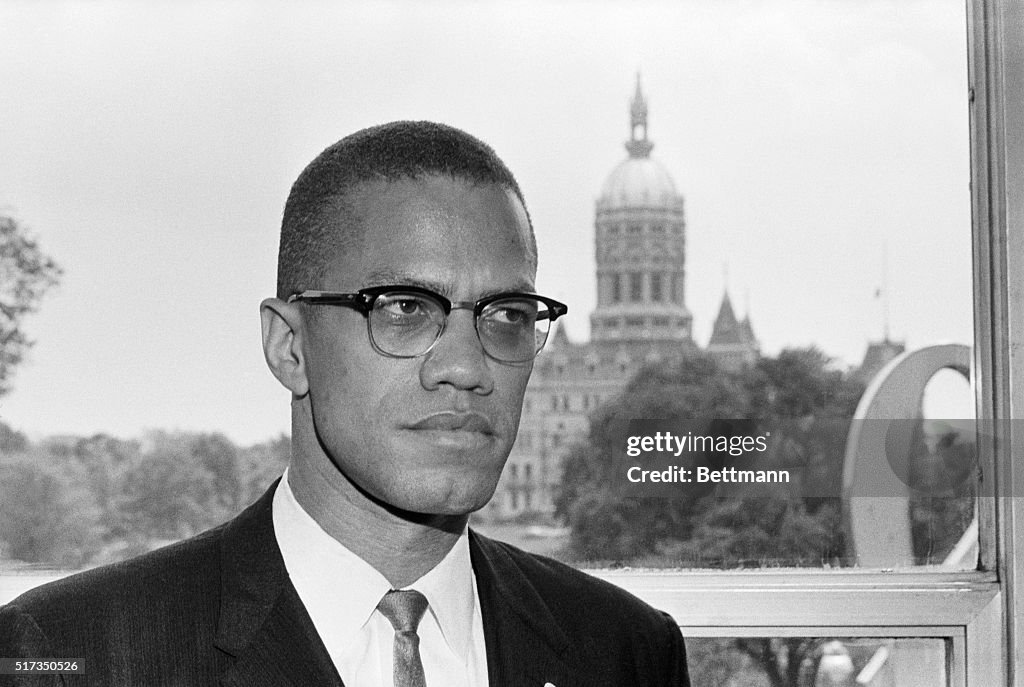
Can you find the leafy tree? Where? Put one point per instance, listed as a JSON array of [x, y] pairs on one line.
[[798, 387], [261, 464], [47, 515], [100, 499], [170, 491], [11, 440], [218, 456], [181, 483], [800, 383], [105, 462], [604, 526], [734, 532], [26, 273]]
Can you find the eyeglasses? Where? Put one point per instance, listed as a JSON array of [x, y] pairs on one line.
[[406, 321]]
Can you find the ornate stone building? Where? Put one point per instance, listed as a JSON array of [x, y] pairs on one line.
[[641, 317], [732, 341]]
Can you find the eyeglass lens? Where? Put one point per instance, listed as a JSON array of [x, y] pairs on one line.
[[407, 324]]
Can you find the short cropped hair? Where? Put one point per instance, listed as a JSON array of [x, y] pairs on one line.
[[389, 152]]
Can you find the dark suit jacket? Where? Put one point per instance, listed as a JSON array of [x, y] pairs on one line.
[[219, 609]]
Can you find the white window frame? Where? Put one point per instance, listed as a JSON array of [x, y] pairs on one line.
[[975, 613]]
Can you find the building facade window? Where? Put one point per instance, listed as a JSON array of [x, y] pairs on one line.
[[656, 289], [616, 288], [636, 287]]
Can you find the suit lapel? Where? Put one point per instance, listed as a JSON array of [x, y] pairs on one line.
[[525, 645], [265, 627], [285, 651], [263, 623]]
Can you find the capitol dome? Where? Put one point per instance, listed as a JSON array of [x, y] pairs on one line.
[[638, 181]]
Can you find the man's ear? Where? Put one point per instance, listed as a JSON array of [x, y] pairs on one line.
[[282, 344]]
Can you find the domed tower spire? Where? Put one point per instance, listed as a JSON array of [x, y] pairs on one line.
[[638, 147], [640, 251]]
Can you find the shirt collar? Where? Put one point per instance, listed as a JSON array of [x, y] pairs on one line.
[[316, 562], [450, 593]]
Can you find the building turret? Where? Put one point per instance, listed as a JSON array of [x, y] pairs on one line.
[[732, 341], [641, 254]]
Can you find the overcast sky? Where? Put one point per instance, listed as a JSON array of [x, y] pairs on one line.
[[150, 148]]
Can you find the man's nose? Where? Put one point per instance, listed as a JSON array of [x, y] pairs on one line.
[[458, 358]]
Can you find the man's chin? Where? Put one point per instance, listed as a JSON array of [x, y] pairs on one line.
[[456, 507], [449, 500]]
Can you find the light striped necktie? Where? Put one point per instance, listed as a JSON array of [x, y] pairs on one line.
[[404, 609]]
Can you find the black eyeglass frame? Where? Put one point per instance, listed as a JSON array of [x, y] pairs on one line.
[[363, 301]]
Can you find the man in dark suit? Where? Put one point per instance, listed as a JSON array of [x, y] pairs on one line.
[[405, 327]]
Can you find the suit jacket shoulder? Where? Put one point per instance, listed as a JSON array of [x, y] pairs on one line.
[[214, 609], [109, 612], [600, 633]]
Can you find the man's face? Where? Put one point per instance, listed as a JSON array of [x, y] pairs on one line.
[[428, 434]]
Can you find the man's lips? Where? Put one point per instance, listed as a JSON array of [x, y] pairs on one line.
[[452, 421]]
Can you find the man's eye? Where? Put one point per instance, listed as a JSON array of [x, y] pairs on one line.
[[516, 314], [407, 306], [404, 306], [511, 316]]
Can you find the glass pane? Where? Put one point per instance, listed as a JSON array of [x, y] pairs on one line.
[[817, 662], [790, 212]]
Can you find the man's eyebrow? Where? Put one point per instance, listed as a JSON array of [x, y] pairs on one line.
[[391, 277]]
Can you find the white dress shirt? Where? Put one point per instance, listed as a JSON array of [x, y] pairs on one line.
[[340, 592]]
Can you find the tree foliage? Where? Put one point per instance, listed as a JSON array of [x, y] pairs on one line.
[[47, 515], [26, 273], [797, 389], [71, 501]]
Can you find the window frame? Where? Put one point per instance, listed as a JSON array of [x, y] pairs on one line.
[[963, 609], [972, 611]]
